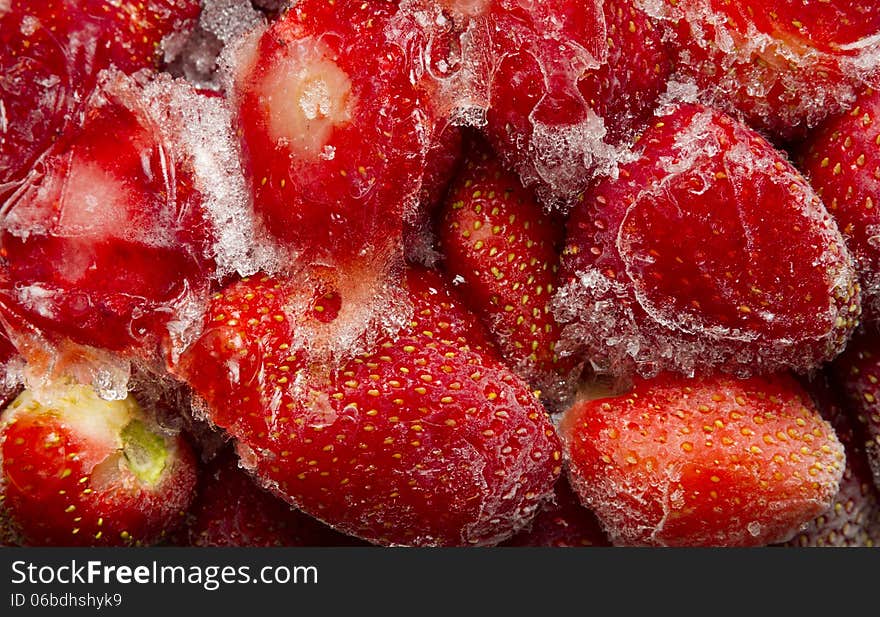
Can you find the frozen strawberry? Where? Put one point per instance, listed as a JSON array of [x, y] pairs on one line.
[[709, 250], [564, 522], [231, 510], [8, 355], [50, 54], [423, 439], [570, 78], [784, 65], [854, 516], [711, 462], [110, 232], [81, 471], [334, 130], [842, 161], [857, 375], [503, 250]]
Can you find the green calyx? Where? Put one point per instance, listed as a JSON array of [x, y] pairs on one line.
[[144, 451]]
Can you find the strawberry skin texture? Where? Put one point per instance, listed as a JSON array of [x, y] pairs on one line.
[[110, 233], [231, 510], [503, 249], [427, 440], [56, 490], [712, 462], [857, 375], [46, 70], [709, 250], [783, 65], [332, 178], [562, 523], [854, 516], [842, 161]]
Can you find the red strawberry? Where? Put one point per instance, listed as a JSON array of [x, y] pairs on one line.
[[712, 462], [334, 130], [231, 510], [502, 249], [842, 161], [857, 374], [109, 233], [424, 439], [854, 516], [562, 523], [562, 69], [709, 250], [52, 53], [86, 472], [785, 65]]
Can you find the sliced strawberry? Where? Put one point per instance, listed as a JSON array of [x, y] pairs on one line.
[[231, 510], [709, 250], [711, 462], [333, 128], [566, 73], [564, 522], [857, 374], [842, 161], [51, 54], [424, 439], [109, 232], [80, 471], [854, 516], [503, 251], [784, 65]]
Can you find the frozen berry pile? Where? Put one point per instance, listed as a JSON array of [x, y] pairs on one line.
[[440, 273]]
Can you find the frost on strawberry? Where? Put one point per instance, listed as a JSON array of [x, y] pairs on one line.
[[784, 65], [117, 233], [51, 54], [335, 133], [79, 471], [423, 439], [709, 250], [842, 161], [703, 462]]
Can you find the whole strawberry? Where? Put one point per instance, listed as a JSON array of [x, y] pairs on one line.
[[503, 251], [783, 65], [842, 161], [334, 131], [708, 251], [231, 510], [703, 462], [81, 471], [423, 439]]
